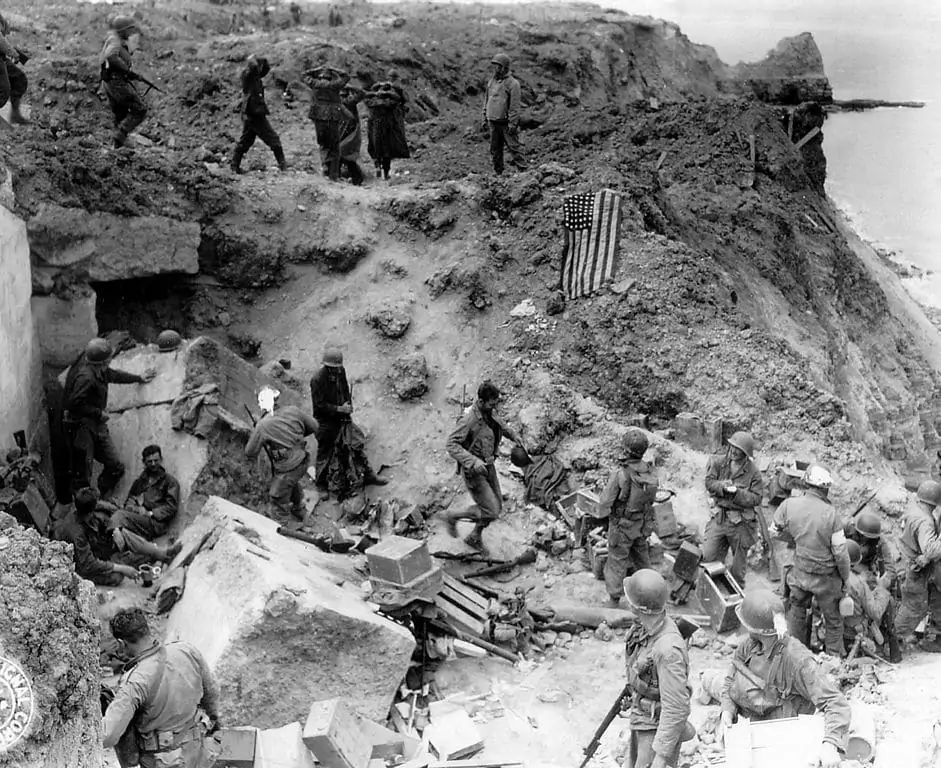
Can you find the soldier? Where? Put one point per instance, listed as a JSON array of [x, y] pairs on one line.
[[255, 115], [330, 117], [920, 546], [627, 502], [774, 676], [162, 689], [502, 114], [386, 132], [821, 564], [352, 139], [879, 564], [342, 464], [736, 487], [295, 10], [115, 60], [85, 400], [869, 605], [13, 82], [657, 663], [283, 431], [154, 498], [474, 445]]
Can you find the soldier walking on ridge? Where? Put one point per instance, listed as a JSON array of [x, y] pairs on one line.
[[255, 115], [116, 74]]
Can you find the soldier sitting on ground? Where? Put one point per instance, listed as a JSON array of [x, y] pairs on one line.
[[154, 498], [103, 553], [774, 676]]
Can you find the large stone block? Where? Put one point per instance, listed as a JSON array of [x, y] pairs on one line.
[[109, 247], [64, 325], [277, 628], [49, 629]]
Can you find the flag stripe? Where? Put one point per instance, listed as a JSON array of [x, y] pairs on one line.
[[592, 224]]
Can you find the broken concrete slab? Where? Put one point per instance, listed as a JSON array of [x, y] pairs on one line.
[[108, 247], [282, 748], [277, 629]]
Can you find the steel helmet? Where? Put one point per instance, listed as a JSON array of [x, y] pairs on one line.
[[502, 59], [519, 457], [854, 551], [744, 442], [817, 477], [634, 442], [333, 357], [98, 350], [929, 492], [168, 340], [646, 591], [123, 23], [869, 525], [758, 610]]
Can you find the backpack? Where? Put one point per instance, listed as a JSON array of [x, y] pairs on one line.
[[639, 479]]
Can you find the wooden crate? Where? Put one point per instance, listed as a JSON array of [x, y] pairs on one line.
[[791, 742], [719, 594], [237, 747], [399, 560], [665, 520], [424, 587], [332, 733], [463, 608]]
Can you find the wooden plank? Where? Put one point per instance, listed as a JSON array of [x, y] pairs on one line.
[[751, 148], [469, 593], [461, 599], [663, 156], [460, 618], [807, 137], [790, 125]]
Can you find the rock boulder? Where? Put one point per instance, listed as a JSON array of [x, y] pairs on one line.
[[391, 320], [276, 627], [409, 376], [108, 247], [49, 629]]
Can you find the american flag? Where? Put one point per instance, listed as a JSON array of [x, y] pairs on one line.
[[592, 222]]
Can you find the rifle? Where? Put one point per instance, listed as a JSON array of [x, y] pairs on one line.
[[145, 81], [686, 628], [774, 568], [862, 505]]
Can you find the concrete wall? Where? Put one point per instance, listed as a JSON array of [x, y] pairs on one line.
[[20, 367]]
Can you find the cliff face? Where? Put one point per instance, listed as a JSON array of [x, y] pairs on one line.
[[746, 301]]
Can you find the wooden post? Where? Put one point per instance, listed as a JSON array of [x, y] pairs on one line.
[[807, 137]]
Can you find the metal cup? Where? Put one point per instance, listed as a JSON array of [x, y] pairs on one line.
[[146, 575]]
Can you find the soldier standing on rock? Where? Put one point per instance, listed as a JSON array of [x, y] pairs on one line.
[[13, 82], [502, 114], [627, 502], [255, 115], [330, 117], [657, 663], [821, 563], [735, 486], [115, 60], [84, 404], [474, 445]]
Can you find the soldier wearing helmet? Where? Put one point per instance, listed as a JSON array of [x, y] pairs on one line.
[[627, 502], [920, 545], [502, 113], [115, 62], [657, 663], [774, 676], [474, 445], [869, 605], [13, 83], [879, 566], [282, 431], [735, 486], [337, 436], [821, 567], [85, 417]]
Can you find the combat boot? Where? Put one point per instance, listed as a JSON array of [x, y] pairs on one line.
[[236, 164], [16, 116], [283, 164]]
